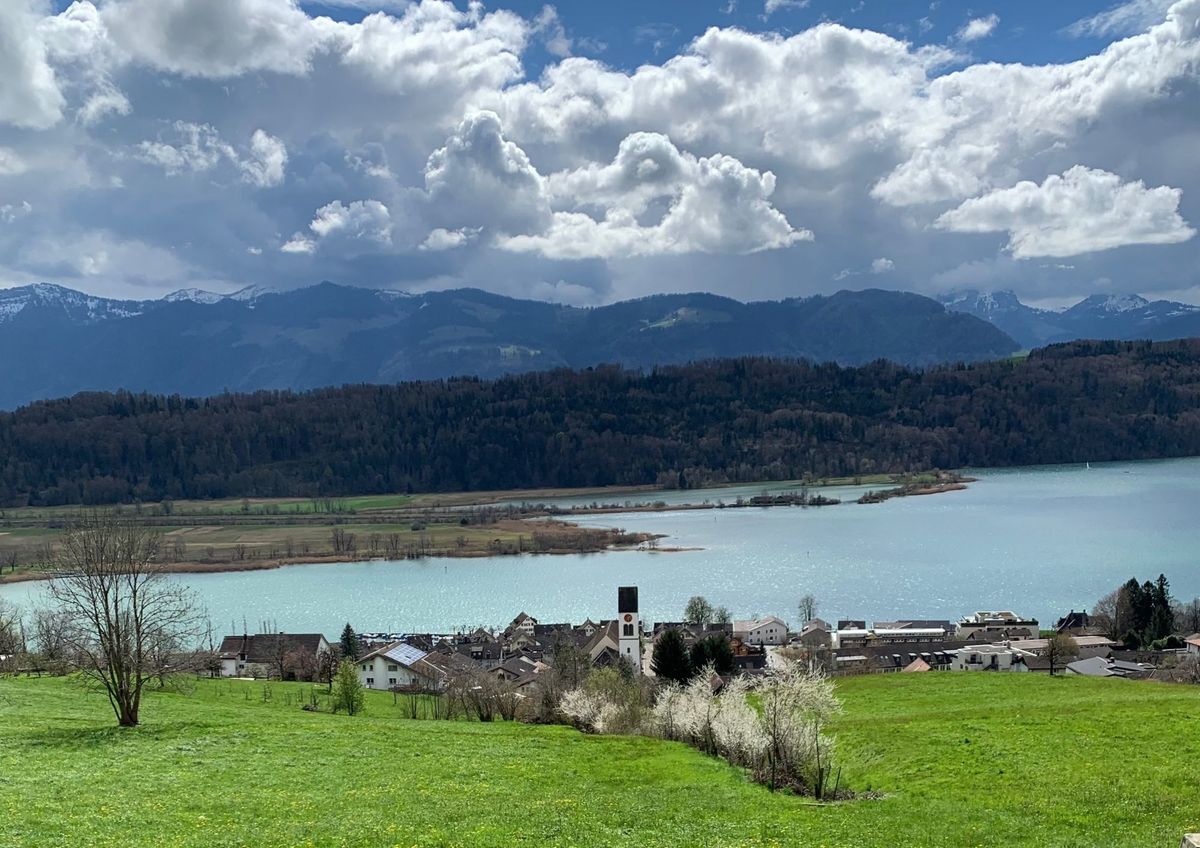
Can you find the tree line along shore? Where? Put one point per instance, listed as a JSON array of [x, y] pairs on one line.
[[689, 426]]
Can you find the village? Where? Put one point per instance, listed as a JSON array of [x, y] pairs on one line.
[[520, 655]]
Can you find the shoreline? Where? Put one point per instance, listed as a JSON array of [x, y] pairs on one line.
[[644, 542], [222, 566]]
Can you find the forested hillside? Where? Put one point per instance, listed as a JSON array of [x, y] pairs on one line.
[[725, 420]]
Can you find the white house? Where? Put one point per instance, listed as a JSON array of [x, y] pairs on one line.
[[989, 658], [771, 630], [401, 666], [994, 626], [1193, 644]]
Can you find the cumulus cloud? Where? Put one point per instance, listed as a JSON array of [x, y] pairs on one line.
[[217, 38], [363, 225], [978, 28], [434, 47], [478, 178], [440, 238], [712, 205], [266, 161], [29, 92], [675, 170], [1081, 211], [199, 147], [882, 265]]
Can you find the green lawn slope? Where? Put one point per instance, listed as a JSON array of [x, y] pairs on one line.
[[962, 759]]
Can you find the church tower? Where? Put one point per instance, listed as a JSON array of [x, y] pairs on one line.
[[629, 627]]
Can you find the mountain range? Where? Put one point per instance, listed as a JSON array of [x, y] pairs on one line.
[[1097, 317], [196, 343]]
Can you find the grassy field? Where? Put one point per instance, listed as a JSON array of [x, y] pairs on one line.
[[963, 760]]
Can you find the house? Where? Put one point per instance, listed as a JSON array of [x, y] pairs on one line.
[[995, 627], [262, 655], [605, 638], [916, 666], [877, 636], [403, 666], [851, 624], [1089, 646], [1078, 624], [922, 624], [889, 658], [814, 635], [516, 667], [771, 630], [1193, 644], [1101, 667], [523, 623], [989, 658]]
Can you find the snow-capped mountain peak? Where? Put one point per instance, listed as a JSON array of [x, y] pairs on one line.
[[193, 295], [82, 307], [251, 293], [1111, 303]]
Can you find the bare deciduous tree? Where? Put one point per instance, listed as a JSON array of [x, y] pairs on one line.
[[808, 609], [1060, 650], [121, 617], [12, 638]]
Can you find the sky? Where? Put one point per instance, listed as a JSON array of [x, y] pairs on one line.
[[591, 152]]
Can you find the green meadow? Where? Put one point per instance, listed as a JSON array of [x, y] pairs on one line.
[[958, 760]]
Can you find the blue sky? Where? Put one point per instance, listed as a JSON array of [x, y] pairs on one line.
[[588, 152]]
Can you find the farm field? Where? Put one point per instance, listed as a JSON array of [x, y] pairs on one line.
[[961, 760]]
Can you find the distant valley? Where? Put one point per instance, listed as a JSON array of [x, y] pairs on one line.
[[198, 343]]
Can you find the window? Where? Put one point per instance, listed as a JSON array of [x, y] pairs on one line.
[[370, 681], [626, 629], [391, 681], [391, 666], [364, 668]]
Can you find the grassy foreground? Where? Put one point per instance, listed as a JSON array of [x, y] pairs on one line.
[[964, 760]]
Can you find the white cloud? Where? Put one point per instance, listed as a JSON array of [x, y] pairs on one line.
[[978, 28], [363, 226], [436, 49], [199, 147], [770, 7], [10, 212], [1083, 210], [554, 36], [481, 179], [11, 163], [266, 162], [1123, 19], [29, 92], [440, 238], [217, 38], [710, 205], [882, 265]]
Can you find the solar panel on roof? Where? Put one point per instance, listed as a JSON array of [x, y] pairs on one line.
[[405, 654]]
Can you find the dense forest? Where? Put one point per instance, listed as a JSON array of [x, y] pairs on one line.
[[724, 420]]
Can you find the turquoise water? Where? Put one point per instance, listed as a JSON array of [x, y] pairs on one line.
[[1036, 540]]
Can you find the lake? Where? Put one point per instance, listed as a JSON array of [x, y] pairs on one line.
[[1039, 541]]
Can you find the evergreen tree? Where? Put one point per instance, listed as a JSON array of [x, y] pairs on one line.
[[350, 645], [714, 650], [671, 661]]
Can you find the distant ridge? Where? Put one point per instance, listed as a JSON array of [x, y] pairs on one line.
[[196, 342], [1100, 316]]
